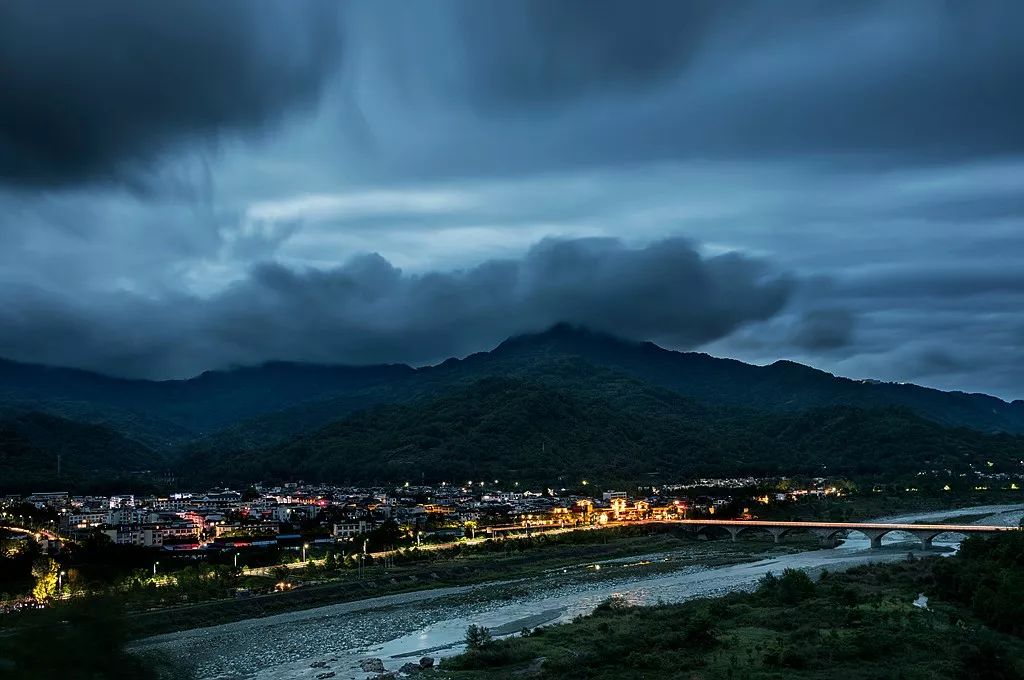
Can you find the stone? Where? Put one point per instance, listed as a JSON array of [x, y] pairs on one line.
[[427, 662], [372, 665], [410, 668]]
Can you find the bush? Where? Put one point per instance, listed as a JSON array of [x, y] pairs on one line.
[[795, 586], [495, 655], [700, 630], [787, 657], [612, 605], [477, 637]]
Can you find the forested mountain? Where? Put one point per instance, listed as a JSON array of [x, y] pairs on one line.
[[189, 408], [515, 429], [783, 385], [632, 408], [218, 399], [32, 443]]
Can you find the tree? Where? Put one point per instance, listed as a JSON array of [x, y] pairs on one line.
[[477, 637], [795, 586], [45, 571]]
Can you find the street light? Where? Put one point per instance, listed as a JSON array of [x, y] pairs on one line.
[[60, 582], [154, 568], [304, 546]]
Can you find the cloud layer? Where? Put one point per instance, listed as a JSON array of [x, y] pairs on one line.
[[200, 184], [98, 90], [368, 311]]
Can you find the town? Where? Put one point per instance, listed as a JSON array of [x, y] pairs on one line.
[[265, 526], [290, 514]]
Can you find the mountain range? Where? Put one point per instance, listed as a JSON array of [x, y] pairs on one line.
[[539, 407]]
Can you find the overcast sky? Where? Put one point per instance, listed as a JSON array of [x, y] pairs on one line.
[[194, 185]]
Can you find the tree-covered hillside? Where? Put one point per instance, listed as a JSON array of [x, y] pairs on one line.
[[553, 406], [616, 429], [31, 443], [256, 405], [781, 386]]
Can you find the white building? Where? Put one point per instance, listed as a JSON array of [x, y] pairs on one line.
[[350, 529]]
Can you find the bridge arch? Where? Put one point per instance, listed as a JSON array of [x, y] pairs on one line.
[[714, 531], [926, 536], [875, 536], [770, 532]]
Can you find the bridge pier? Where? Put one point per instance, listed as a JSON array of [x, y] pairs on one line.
[[777, 533], [926, 538], [875, 536], [826, 537], [734, 532]]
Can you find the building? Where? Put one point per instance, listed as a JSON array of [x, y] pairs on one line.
[[49, 499], [350, 529], [150, 535], [84, 519], [124, 535], [154, 535]]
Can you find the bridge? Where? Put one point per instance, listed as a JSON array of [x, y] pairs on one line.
[[828, 531]]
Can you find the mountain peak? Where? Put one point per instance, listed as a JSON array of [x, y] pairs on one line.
[[567, 336]]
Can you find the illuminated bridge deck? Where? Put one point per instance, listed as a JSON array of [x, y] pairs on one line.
[[827, 532]]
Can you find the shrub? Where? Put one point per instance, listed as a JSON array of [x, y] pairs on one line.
[[795, 586], [477, 637], [494, 655]]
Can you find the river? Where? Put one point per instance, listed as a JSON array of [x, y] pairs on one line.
[[402, 627]]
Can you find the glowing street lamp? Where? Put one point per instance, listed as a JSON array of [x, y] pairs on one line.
[[155, 564], [304, 546]]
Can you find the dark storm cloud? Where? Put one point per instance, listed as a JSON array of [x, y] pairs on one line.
[[97, 90], [521, 87], [824, 329], [370, 311], [536, 51], [872, 145]]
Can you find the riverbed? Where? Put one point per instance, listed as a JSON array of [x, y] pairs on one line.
[[403, 627]]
